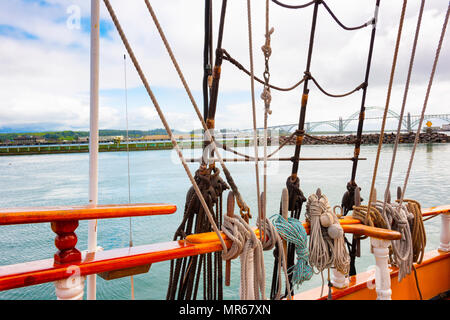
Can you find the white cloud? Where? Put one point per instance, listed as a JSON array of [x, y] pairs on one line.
[[46, 80]]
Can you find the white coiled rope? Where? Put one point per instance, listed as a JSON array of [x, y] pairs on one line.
[[326, 243], [247, 246]]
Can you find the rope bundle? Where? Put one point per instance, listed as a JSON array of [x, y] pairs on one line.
[[397, 217], [293, 231], [249, 248], [419, 236], [327, 244], [374, 219]]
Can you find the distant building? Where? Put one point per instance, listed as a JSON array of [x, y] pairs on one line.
[[446, 127], [166, 137], [28, 140], [82, 139], [110, 138]]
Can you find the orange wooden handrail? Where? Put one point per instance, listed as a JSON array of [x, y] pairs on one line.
[[435, 210], [9, 216], [37, 272]]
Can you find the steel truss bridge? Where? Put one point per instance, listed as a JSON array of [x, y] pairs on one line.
[[408, 123]]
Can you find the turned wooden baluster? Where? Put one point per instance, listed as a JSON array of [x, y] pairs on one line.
[[71, 288], [65, 241]]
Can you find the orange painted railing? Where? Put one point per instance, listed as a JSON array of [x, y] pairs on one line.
[[27, 215], [37, 272], [64, 221]]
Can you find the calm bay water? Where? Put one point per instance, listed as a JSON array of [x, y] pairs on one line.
[[156, 176]]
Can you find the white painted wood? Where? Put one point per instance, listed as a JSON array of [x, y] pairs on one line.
[[445, 233], [93, 136], [380, 249]]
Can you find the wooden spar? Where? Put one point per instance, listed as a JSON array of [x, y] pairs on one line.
[[27, 215]]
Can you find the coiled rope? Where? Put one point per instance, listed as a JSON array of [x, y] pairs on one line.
[[247, 246], [327, 247], [398, 217], [293, 231]]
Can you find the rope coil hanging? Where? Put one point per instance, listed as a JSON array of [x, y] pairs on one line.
[[293, 232]]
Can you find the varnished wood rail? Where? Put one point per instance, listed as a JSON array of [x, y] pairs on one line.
[[42, 271], [64, 221], [26, 215]]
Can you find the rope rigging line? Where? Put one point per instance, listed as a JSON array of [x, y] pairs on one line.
[[289, 6], [427, 94], [405, 94], [301, 6], [164, 121], [252, 87], [128, 164], [211, 111], [207, 56], [368, 23], [266, 96], [388, 97], [348, 199], [304, 100], [229, 58]]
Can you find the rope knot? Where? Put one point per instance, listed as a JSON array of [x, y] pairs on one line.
[[267, 50], [307, 75]]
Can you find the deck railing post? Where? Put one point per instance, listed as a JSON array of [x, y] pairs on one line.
[[380, 249], [445, 233], [339, 280], [71, 288]]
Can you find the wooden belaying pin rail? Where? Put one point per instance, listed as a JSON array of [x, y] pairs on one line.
[[27, 215], [64, 221], [42, 271]]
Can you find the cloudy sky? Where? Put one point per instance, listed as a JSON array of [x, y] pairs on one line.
[[44, 62]]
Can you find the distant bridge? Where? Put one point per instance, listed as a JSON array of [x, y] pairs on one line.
[[408, 123]]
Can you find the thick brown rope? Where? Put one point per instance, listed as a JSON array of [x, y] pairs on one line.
[[241, 203], [164, 121]]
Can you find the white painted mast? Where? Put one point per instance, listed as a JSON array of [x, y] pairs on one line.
[[93, 138]]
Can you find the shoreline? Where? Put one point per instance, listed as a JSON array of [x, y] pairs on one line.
[[367, 139]]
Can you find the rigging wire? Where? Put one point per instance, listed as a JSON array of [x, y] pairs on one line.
[[402, 111], [368, 23], [290, 6], [388, 97], [252, 87], [438, 50], [164, 121], [128, 162], [241, 203], [348, 200]]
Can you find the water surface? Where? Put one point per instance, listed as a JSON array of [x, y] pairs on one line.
[[156, 176]]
